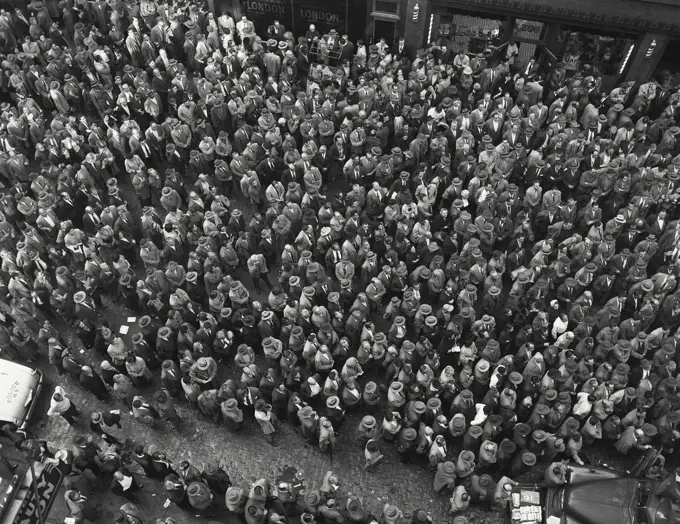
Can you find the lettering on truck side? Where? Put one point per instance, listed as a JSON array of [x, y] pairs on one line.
[[13, 392]]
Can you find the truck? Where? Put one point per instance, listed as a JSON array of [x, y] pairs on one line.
[[601, 495], [28, 492]]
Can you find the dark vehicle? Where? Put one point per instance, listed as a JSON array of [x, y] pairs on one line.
[[597, 495]]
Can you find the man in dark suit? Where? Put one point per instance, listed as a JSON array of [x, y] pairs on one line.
[[477, 131], [269, 168], [669, 312], [289, 175], [269, 325], [322, 288], [242, 138], [592, 161], [267, 247], [303, 165], [303, 62], [656, 224], [399, 49], [659, 103], [527, 138], [535, 173], [346, 49], [232, 67], [488, 80], [66, 208], [276, 31], [628, 238], [323, 161], [494, 128], [91, 222], [638, 373]]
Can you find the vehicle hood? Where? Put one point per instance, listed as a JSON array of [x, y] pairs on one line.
[[601, 501], [17, 389]]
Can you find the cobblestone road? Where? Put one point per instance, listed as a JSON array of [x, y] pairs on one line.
[[247, 456]]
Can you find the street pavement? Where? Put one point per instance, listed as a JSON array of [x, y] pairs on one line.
[[246, 455]]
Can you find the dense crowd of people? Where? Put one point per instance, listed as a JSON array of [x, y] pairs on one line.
[[479, 260]]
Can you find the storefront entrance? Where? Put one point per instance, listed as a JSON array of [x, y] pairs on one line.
[[384, 29], [668, 69], [473, 33]]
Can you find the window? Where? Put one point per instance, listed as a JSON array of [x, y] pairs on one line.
[[468, 33], [386, 6]]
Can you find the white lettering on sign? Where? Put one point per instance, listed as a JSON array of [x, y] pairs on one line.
[[261, 8], [47, 486], [315, 15]]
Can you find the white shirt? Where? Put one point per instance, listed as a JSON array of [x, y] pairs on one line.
[[583, 405]]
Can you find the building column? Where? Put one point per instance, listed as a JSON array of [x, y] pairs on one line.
[[552, 32], [415, 33], [648, 51], [508, 29]]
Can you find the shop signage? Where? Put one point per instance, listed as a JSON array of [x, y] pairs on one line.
[[662, 18], [265, 8], [528, 29], [263, 13], [571, 61], [316, 15], [297, 15], [324, 15]]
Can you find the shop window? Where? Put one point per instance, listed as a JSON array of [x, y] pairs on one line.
[[589, 52], [467, 33]]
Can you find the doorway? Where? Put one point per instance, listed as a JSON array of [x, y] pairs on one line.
[[384, 29]]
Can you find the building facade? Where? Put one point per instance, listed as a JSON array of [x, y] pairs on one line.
[[345, 16], [621, 39]]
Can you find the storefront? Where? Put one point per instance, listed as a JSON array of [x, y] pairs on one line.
[[385, 20], [609, 36], [468, 31], [345, 16], [475, 32], [595, 51]]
